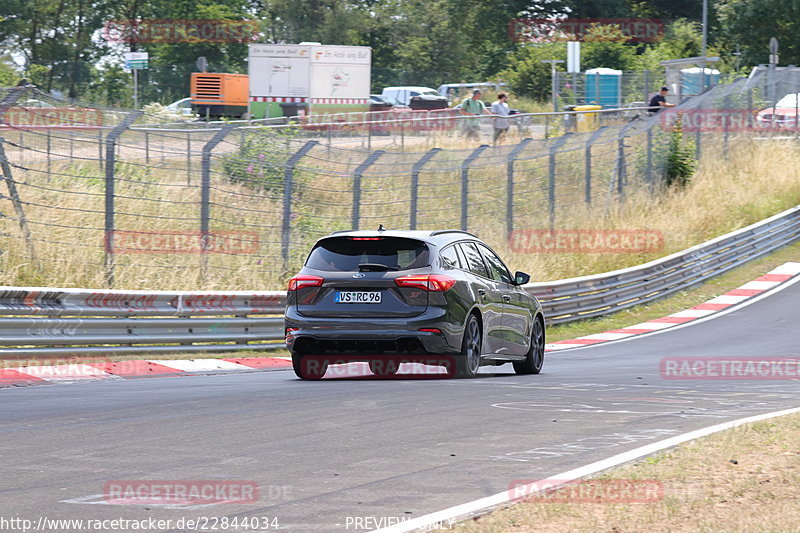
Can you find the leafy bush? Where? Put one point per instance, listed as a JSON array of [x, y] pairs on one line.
[[259, 161]]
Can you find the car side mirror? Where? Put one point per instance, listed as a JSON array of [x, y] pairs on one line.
[[521, 278]]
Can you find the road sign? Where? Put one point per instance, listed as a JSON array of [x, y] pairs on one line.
[[136, 60], [574, 57]]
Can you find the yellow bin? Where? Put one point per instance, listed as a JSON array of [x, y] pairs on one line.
[[587, 121]]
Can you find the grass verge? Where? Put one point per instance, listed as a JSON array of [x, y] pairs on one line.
[[746, 479]]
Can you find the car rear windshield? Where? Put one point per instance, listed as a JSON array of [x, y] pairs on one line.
[[347, 253]]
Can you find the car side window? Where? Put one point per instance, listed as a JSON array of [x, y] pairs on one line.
[[450, 257], [474, 259], [497, 269]]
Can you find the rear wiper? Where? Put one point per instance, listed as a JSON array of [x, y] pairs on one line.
[[374, 267]]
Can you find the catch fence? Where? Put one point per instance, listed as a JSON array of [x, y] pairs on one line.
[[102, 197]]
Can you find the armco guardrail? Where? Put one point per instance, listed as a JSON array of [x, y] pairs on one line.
[[38, 321], [43, 321], [601, 294]]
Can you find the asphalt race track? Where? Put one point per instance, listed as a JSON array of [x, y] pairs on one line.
[[343, 454]]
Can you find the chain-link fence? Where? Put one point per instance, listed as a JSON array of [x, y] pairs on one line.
[[103, 197]]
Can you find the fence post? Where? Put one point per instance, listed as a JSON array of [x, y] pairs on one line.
[[205, 195], [189, 158], [288, 185], [15, 200], [697, 143], [646, 97], [371, 158], [111, 140], [415, 170], [648, 175], [588, 164], [100, 147], [465, 182], [551, 193], [512, 157], [726, 126], [49, 148], [146, 147]]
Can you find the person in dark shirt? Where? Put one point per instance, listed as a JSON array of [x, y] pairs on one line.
[[660, 100]]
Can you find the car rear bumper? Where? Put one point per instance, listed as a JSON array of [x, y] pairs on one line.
[[364, 336]]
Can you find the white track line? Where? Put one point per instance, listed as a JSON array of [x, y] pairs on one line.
[[483, 505], [672, 327]]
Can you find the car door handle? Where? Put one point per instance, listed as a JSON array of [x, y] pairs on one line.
[[506, 297]]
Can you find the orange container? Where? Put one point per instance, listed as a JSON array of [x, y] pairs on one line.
[[219, 94]]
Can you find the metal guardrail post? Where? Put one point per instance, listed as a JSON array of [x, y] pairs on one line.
[[205, 195], [587, 174], [465, 183], [111, 140], [512, 157], [357, 175], [415, 170], [15, 200], [288, 186], [551, 189]]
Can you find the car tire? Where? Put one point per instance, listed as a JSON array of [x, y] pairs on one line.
[[534, 359], [469, 361], [307, 371], [380, 368]]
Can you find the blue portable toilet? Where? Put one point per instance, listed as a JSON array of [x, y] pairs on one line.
[[604, 87], [695, 80]]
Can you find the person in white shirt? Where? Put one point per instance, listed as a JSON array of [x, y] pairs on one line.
[[501, 110]]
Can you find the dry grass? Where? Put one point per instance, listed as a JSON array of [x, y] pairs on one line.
[[744, 480], [759, 179]]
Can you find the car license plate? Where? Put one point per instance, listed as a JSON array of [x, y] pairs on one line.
[[357, 297]]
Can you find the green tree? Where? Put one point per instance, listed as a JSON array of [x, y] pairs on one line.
[[606, 46], [8, 74], [749, 25], [527, 76]]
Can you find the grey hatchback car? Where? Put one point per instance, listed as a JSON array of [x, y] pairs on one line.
[[369, 295]]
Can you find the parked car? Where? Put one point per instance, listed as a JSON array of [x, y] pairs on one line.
[[405, 94], [379, 102], [366, 295], [782, 115], [181, 107]]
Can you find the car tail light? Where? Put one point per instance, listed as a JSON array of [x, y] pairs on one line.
[[431, 330], [304, 280], [428, 282], [365, 238]]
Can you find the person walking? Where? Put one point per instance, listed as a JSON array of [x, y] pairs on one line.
[[500, 109], [473, 107]]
